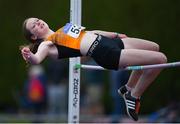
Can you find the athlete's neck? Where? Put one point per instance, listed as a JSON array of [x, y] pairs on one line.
[[50, 32]]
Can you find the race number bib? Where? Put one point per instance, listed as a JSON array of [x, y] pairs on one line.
[[72, 30]]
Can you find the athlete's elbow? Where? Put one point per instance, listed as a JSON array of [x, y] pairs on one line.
[[34, 61]]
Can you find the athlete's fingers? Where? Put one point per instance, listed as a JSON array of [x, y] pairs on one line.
[[25, 49], [123, 36]]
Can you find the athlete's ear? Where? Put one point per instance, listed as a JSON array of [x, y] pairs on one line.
[[33, 37]]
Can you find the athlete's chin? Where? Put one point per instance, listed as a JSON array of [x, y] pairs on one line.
[[45, 30]]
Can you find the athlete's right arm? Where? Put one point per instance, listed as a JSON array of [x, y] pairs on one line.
[[109, 34], [39, 56]]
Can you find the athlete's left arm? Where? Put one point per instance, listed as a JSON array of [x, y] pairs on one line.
[[41, 54], [109, 34]]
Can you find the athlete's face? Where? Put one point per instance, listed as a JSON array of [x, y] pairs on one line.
[[37, 27]]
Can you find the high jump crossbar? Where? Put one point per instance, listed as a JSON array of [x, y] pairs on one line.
[[143, 67]]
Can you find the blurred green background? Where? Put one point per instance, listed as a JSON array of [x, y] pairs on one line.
[[156, 20]]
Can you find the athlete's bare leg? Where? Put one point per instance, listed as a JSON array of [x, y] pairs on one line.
[[142, 79], [136, 43]]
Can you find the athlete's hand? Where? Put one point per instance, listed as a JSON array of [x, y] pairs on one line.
[[122, 36], [26, 53]]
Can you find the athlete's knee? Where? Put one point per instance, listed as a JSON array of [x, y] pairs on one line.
[[156, 46], [162, 58], [153, 46]]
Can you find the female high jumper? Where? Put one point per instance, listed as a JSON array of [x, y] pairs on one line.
[[110, 50]]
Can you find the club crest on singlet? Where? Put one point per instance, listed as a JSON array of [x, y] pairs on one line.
[[73, 30]]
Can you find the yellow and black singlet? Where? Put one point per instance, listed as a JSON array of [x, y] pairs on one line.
[[67, 40]]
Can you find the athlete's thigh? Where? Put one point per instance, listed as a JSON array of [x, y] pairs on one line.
[[130, 57], [135, 43]]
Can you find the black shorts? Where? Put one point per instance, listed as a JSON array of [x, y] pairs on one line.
[[106, 51]]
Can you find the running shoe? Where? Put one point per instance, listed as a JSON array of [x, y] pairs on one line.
[[132, 106], [122, 90]]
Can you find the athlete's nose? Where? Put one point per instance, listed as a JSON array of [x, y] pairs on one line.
[[38, 23]]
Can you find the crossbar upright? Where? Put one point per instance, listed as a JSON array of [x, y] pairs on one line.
[[74, 74]]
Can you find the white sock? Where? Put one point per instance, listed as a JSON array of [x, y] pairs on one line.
[[128, 88], [134, 96]]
